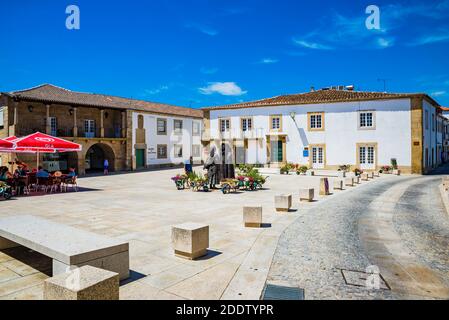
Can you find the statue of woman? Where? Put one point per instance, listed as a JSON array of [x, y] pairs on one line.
[[211, 166]]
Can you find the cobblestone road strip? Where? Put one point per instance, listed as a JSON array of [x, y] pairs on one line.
[[384, 223]]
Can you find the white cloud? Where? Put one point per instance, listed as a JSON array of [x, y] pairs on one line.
[[203, 28], [312, 45], [205, 70], [151, 92], [385, 42], [223, 88], [438, 93], [268, 61], [441, 36]]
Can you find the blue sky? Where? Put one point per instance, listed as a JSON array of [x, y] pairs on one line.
[[199, 53]]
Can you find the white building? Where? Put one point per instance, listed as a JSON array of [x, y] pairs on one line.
[[325, 129], [160, 139]]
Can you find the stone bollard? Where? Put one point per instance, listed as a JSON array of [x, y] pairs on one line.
[[283, 202], [377, 174], [349, 182], [370, 175], [357, 179], [445, 181], [252, 217], [306, 194], [338, 185], [364, 176], [324, 187], [85, 283], [190, 240], [397, 172], [310, 173], [341, 174]]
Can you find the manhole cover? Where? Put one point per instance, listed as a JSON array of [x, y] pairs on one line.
[[273, 292], [358, 279]]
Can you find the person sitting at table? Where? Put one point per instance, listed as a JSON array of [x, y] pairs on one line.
[[71, 173], [41, 173], [5, 174], [20, 171]]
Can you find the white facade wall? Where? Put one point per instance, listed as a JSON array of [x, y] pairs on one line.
[[187, 139], [341, 134], [430, 136]]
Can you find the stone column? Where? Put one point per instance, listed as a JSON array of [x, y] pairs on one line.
[[102, 124], [123, 124], [47, 120], [75, 127], [6, 119]]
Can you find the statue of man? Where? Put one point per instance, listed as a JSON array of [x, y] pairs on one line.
[[211, 167]]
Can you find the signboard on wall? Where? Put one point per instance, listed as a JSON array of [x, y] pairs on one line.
[[152, 155], [305, 153]]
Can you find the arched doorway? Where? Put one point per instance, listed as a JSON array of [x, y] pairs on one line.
[[95, 157]]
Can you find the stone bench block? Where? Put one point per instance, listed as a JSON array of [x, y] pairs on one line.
[[85, 283], [283, 202], [306, 194], [190, 240], [349, 182], [252, 217], [310, 173], [324, 187], [397, 172], [364, 176], [67, 246], [370, 175]]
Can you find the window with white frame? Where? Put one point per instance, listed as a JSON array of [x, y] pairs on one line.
[[178, 150], [247, 124], [366, 119], [53, 126], [162, 151], [177, 124], [196, 128], [276, 122], [1, 117], [316, 121], [225, 125], [161, 127], [196, 151], [89, 128]]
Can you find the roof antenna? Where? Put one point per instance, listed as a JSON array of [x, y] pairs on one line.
[[385, 83]]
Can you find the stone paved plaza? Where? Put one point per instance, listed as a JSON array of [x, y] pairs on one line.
[[320, 237]]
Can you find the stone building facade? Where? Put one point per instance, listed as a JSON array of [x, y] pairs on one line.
[[102, 124]]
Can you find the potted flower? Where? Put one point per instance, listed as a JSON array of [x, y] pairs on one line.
[[301, 170]]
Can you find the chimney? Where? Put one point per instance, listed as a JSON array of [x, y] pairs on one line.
[[350, 88], [312, 89]]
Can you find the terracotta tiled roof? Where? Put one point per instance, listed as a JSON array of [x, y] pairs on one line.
[[322, 96], [52, 94]]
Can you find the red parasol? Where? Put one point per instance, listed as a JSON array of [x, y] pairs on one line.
[[5, 144]]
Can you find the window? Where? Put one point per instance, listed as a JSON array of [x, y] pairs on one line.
[[247, 124], [366, 120], [426, 119], [433, 122], [225, 125], [196, 151], [316, 121], [178, 150], [89, 128], [196, 128], [53, 126], [162, 127], [367, 156], [1, 117], [177, 124], [276, 123], [162, 151]]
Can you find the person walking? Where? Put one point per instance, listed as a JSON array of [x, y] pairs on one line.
[[106, 167]]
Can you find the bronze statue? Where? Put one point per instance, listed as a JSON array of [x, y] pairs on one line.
[[211, 166]]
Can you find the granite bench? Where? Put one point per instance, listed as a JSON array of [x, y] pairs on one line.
[[67, 246]]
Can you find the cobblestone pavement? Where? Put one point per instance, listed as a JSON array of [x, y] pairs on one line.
[[398, 224]]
